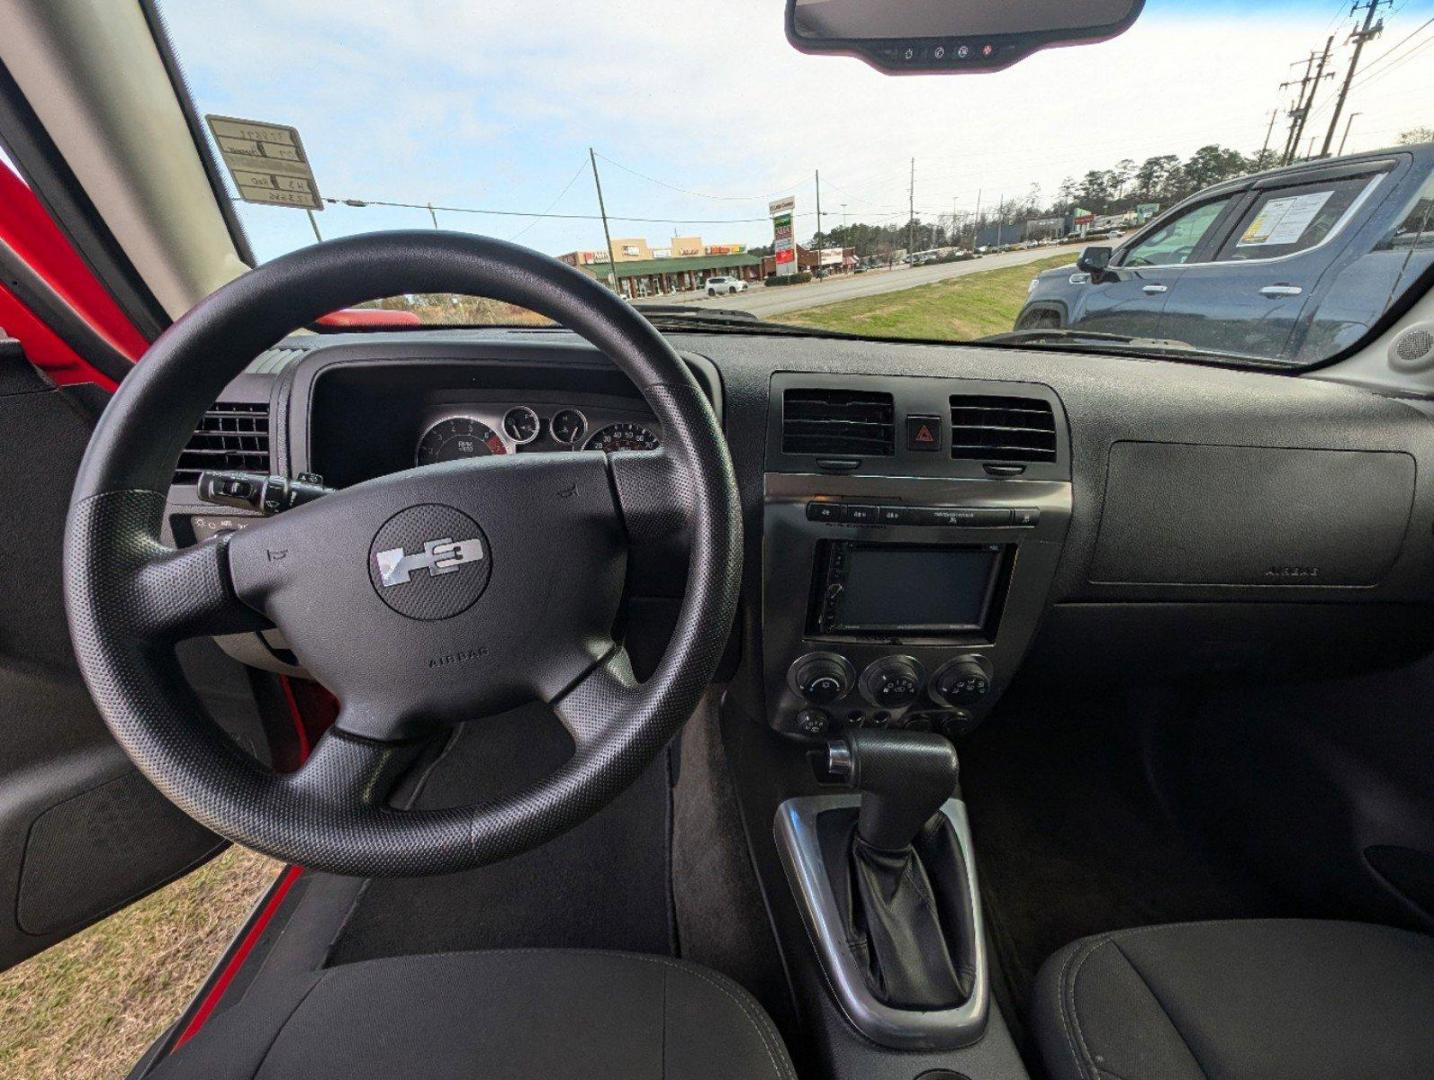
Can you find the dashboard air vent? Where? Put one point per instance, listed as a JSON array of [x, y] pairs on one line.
[[234, 435], [989, 428], [834, 421]]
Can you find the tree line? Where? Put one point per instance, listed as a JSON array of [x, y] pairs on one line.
[[1162, 178]]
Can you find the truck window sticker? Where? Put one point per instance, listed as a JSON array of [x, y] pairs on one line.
[[1284, 221]]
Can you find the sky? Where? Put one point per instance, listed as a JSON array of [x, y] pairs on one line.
[[704, 112]]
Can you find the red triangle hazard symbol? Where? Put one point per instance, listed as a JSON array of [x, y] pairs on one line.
[[923, 434]]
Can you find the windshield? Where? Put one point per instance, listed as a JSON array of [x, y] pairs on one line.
[[691, 156]]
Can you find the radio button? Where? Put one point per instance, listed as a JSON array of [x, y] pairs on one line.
[[1026, 515], [823, 511], [854, 514], [961, 517]]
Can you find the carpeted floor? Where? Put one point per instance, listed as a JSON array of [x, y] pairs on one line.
[[603, 885], [1070, 842]]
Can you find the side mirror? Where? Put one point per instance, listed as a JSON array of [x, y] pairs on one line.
[[1094, 261]]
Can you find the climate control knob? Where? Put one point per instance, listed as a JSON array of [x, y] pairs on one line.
[[893, 682], [822, 678], [963, 682]]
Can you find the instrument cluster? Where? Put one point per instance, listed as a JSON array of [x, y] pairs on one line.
[[484, 429]]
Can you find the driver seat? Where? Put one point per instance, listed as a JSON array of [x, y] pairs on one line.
[[513, 1014]]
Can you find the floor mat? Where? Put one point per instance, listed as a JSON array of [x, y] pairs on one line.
[[1070, 842], [604, 885]]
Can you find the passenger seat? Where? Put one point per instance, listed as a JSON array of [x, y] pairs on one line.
[[1254, 1000]]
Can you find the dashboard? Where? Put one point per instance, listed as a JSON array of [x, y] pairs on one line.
[[925, 526]]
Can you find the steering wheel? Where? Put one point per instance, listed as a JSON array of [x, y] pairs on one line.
[[426, 598]]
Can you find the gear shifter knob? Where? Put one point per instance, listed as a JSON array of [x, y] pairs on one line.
[[904, 778]]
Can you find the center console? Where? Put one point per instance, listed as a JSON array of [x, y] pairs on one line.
[[912, 527]]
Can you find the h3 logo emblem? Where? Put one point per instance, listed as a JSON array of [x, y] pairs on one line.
[[443, 556]]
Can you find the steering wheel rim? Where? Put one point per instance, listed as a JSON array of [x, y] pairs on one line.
[[130, 598]]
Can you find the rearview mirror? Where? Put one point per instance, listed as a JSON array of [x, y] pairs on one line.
[[1094, 261], [951, 36]]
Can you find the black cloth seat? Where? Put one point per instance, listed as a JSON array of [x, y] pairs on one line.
[[1256, 1000], [518, 1014]]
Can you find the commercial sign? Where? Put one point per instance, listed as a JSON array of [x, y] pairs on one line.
[[1145, 211], [784, 246], [686, 246], [726, 249], [267, 162], [829, 257]]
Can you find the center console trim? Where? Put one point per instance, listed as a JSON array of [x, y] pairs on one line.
[[798, 845]]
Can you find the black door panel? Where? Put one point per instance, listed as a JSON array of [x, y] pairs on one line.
[[81, 832]]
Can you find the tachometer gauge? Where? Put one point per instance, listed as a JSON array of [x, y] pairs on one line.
[[623, 437], [458, 437]]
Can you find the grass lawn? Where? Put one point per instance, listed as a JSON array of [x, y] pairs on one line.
[[985, 302], [90, 1006]]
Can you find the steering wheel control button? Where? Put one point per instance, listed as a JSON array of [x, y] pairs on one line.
[[429, 562], [923, 433]]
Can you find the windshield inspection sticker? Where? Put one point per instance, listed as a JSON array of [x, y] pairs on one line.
[[1284, 221], [267, 162]]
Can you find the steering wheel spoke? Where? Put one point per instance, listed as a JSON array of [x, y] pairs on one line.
[[654, 494], [346, 771], [187, 593], [588, 706]]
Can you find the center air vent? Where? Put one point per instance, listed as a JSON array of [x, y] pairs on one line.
[[832, 421], [988, 428], [232, 436]]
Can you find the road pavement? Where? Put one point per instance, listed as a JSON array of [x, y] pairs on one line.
[[763, 301]]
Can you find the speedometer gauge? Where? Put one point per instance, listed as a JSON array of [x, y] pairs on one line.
[[623, 437], [458, 437]]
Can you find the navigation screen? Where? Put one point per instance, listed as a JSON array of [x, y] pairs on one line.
[[898, 587]]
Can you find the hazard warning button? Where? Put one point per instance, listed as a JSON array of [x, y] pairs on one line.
[[923, 433]]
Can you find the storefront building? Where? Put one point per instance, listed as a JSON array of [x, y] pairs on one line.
[[682, 266]]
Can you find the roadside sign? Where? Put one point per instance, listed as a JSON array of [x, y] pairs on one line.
[[266, 162], [784, 245]]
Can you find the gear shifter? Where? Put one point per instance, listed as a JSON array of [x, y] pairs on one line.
[[904, 779], [907, 886]]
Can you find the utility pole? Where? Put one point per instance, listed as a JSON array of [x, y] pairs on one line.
[[1369, 30], [433, 214], [1347, 125], [911, 211], [1314, 86], [315, 223], [1301, 110], [1268, 132], [820, 242], [607, 236]]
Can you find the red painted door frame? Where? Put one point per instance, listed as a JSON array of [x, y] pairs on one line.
[[26, 228]]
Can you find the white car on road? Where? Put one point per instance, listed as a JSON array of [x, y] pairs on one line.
[[729, 285]]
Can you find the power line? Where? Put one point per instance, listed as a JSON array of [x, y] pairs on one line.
[[1366, 33], [1395, 47], [702, 194], [566, 188]]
